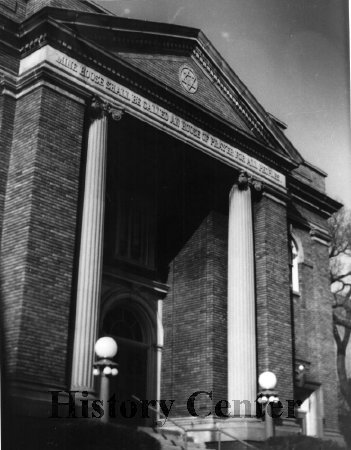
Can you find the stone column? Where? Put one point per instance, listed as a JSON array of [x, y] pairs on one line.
[[91, 246], [242, 376]]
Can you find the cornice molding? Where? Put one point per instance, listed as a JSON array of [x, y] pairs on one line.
[[297, 220], [280, 196], [320, 235], [8, 83], [312, 198], [250, 119], [34, 44], [281, 199]]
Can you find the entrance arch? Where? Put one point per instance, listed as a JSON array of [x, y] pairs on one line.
[[131, 322]]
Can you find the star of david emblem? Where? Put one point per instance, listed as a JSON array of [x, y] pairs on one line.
[[188, 79]]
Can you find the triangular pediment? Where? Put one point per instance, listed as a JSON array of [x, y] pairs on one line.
[[183, 75], [182, 62]]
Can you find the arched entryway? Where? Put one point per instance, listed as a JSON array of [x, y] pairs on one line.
[[130, 322]]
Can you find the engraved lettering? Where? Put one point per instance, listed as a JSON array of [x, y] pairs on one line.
[[68, 63], [252, 163], [156, 110], [175, 121], [91, 75], [223, 147], [230, 151], [189, 128], [136, 100], [125, 93], [215, 142]]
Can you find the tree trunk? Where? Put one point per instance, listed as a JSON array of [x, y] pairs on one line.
[[345, 385]]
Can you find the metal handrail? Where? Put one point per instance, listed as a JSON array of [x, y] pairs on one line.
[[234, 437], [185, 431], [219, 431]]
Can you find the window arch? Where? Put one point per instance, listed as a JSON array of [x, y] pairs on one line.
[[122, 322]]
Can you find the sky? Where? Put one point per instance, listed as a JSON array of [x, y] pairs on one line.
[[293, 55]]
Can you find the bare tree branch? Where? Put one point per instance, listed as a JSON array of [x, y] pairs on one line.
[[340, 277], [337, 337], [341, 320]]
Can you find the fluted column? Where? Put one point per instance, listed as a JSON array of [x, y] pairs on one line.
[[242, 377], [91, 246]]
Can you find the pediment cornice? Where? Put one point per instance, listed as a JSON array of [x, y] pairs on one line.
[[71, 31], [125, 35]]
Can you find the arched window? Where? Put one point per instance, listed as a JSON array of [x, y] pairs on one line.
[[122, 322], [294, 267]]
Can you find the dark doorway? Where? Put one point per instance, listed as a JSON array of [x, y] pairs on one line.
[[124, 325]]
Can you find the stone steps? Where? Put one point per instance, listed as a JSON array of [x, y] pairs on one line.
[[172, 439]]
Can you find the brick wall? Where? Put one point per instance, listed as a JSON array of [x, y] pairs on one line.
[[324, 328], [303, 318], [7, 112], [9, 59], [195, 316], [40, 223], [274, 336], [313, 309]]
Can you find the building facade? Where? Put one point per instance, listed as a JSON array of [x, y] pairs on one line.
[[145, 194]]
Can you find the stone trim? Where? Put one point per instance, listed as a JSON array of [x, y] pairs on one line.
[[275, 199]]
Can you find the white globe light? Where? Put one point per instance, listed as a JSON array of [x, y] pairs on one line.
[[96, 371], [107, 370], [267, 380], [271, 399], [114, 372], [106, 347]]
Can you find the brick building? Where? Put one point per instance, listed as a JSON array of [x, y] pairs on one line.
[[146, 194]]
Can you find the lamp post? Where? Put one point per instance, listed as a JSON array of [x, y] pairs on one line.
[[268, 381], [106, 349]]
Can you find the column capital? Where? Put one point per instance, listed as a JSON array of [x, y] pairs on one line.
[[99, 108], [245, 181]]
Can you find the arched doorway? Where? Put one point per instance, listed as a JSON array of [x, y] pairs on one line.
[[127, 322]]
